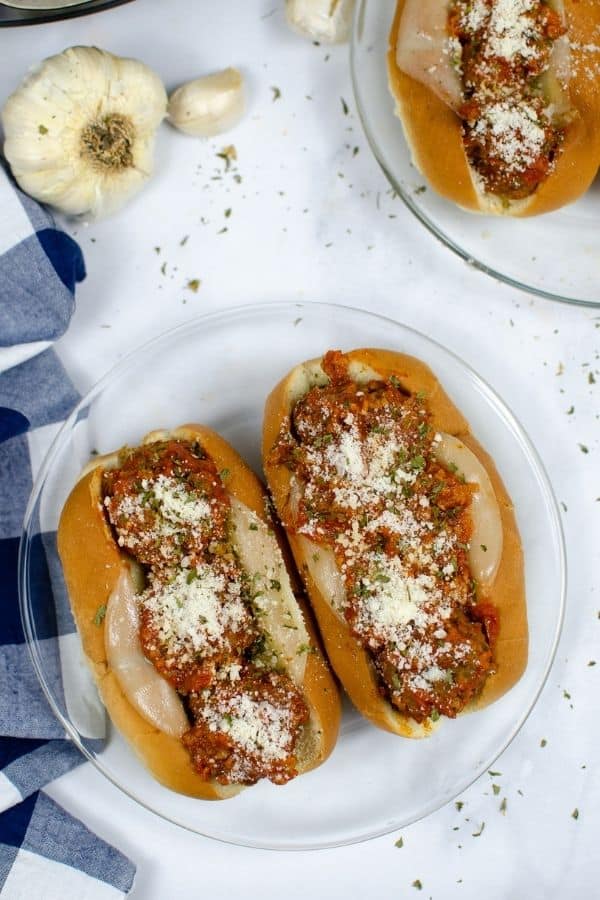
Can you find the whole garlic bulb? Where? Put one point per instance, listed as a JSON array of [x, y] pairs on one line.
[[80, 130], [208, 106], [329, 21]]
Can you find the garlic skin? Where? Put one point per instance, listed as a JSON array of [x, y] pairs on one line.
[[80, 130], [327, 21], [208, 106]]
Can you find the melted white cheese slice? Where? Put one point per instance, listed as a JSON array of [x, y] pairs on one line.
[[148, 692], [485, 548], [424, 52], [325, 573]]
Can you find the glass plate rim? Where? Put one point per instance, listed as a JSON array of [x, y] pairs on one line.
[[408, 201], [228, 313]]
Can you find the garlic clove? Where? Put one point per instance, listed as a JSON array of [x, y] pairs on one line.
[[329, 21], [208, 106], [80, 130]]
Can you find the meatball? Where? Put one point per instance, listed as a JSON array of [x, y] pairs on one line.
[[247, 729], [166, 502]]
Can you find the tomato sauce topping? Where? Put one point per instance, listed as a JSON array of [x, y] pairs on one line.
[[245, 729], [169, 509], [368, 487], [503, 50], [167, 503]]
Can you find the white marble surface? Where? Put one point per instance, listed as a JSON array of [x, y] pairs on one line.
[[312, 219]]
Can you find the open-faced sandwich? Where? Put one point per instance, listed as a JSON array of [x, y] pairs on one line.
[[404, 534], [199, 641], [500, 99]]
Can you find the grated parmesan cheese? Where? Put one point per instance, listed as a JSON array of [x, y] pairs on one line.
[[175, 503], [394, 598], [512, 32], [514, 133], [257, 726], [476, 15], [193, 612], [363, 466]]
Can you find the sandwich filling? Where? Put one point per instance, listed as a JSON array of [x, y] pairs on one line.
[[370, 489], [504, 51], [200, 613]]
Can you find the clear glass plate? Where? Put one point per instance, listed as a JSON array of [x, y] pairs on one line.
[[219, 370], [556, 255]]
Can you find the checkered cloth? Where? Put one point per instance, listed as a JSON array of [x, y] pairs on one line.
[[44, 852]]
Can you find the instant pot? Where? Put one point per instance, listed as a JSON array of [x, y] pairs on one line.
[[30, 12]]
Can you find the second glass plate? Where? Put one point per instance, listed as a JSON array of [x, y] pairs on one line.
[[556, 255]]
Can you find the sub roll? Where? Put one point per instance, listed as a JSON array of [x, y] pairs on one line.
[[499, 99], [404, 534], [200, 643]]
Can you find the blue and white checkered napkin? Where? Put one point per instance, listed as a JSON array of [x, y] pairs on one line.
[[44, 852]]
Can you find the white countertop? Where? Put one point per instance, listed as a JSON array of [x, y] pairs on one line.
[[314, 219]]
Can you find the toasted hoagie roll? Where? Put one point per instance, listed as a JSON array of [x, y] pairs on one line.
[[404, 534], [499, 99], [200, 643]]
